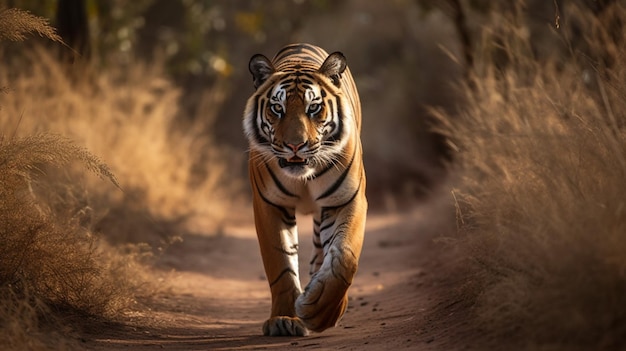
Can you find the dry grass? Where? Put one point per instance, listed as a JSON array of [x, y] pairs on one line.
[[541, 207], [50, 264], [53, 263], [21, 325], [51, 258], [16, 24], [131, 117]]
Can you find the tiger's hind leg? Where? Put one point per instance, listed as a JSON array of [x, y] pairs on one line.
[[341, 232]]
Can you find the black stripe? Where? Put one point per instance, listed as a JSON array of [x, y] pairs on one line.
[[257, 132], [289, 221], [322, 229], [316, 240], [280, 185], [333, 137], [259, 181], [294, 247], [339, 231], [314, 302], [324, 215], [358, 189], [323, 171], [288, 218], [292, 49], [339, 127], [286, 270], [330, 240], [302, 51], [337, 275], [339, 180]]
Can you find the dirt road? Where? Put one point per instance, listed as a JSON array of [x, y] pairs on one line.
[[218, 298]]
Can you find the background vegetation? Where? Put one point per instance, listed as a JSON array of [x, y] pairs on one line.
[[52, 266], [523, 101], [541, 150]]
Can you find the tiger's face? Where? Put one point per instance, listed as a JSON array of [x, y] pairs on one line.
[[297, 116]]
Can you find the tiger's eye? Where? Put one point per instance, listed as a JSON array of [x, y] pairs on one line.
[[277, 109], [314, 109]]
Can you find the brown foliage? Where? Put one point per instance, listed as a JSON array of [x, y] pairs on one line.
[[48, 261], [15, 24], [541, 209]]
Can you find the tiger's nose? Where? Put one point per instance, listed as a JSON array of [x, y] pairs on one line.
[[294, 147]]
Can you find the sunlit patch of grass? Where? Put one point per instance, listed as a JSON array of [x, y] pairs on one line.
[[131, 117]]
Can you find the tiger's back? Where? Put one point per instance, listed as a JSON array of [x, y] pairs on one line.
[[303, 124]]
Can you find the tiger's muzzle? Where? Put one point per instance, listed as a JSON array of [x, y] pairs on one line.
[[297, 159]]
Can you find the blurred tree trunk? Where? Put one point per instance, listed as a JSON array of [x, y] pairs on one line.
[[71, 22]]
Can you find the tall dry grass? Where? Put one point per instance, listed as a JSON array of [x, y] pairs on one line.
[[50, 264], [131, 117], [16, 25], [541, 205], [53, 263]]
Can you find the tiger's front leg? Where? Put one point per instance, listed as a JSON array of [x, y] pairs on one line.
[[338, 240], [278, 241]]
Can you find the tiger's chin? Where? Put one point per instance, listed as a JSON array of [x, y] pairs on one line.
[[296, 168]]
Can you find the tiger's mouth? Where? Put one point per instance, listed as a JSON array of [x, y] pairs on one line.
[[292, 162]]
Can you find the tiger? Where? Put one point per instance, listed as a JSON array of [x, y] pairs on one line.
[[303, 126]]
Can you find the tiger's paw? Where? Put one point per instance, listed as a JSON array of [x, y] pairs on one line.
[[322, 305], [284, 326]]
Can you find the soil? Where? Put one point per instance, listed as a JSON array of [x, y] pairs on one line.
[[215, 295]]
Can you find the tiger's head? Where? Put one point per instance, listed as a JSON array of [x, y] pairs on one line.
[[298, 115]]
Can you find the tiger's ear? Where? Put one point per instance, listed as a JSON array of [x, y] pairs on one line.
[[333, 66], [261, 69]]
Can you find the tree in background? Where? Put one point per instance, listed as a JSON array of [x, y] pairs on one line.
[[72, 26]]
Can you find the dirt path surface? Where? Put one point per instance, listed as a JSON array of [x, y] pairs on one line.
[[218, 298]]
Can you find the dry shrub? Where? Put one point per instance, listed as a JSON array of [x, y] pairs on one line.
[[50, 264], [21, 326], [130, 116], [541, 208], [55, 274]]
